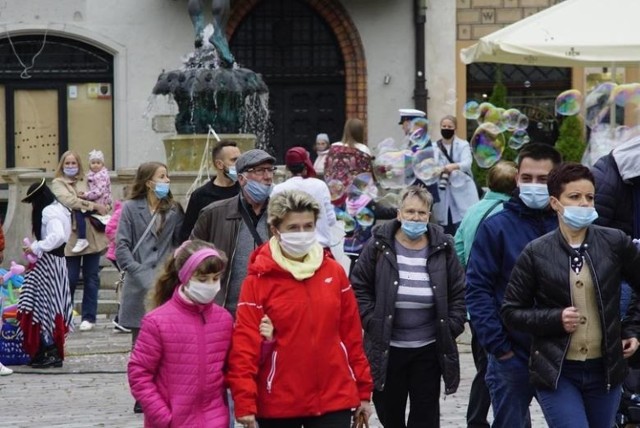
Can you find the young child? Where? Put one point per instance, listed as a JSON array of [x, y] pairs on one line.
[[111, 230], [176, 369], [99, 191]]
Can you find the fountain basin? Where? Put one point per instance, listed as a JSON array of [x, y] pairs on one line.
[[184, 152]]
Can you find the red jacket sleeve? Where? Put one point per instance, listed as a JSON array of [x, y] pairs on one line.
[[246, 344], [142, 369], [351, 335], [1, 238]]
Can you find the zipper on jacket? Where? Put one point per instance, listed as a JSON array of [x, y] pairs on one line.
[[272, 372], [346, 356], [229, 265], [602, 320]]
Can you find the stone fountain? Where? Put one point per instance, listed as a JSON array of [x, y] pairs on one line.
[[212, 93]]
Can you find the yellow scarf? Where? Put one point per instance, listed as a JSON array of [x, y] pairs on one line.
[[300, 270]]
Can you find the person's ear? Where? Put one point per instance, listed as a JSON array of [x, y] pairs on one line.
[[275, 232], [398, 217], [555, 204]]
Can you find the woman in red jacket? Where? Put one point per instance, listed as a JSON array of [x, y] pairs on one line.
[[317, 372]]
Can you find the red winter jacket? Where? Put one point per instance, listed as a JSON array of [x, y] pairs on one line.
[[176, 367], [318, 363]]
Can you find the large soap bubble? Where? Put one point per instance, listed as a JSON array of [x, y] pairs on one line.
[[568, 103], [471, 110], [487, 145], [387, 145], [349, 222], [425, 166], [363, 184], [510, 119], [518, 139], [336, 189], [628, 93], [419, 136], [365, 217], [484, 109], [391, 168], [596, 104], [523, 122]]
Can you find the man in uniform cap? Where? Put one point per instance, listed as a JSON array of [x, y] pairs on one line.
[[407, 115]]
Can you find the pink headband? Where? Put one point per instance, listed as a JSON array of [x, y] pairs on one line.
[[190, 266]]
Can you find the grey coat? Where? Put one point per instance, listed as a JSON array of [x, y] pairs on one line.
[[142, 267]]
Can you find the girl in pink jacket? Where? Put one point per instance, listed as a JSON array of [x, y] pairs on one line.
[[176, 367]]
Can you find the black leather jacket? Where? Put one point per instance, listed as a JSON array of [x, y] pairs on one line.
[[375, 282], [539, 291]]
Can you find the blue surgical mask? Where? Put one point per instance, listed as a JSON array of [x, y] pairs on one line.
[[258, 192], [161, 190], [579, 217], [535, 196], [231, 173], [70, 171], [414, 229]]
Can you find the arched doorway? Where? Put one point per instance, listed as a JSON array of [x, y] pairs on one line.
[[55, 95], [301, 60]]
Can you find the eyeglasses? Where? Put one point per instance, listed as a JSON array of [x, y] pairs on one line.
[[263, 170]]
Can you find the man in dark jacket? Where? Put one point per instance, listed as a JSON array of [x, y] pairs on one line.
[[223, 186], [499, 241]]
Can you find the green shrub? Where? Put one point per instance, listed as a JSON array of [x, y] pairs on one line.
[[571, 143]]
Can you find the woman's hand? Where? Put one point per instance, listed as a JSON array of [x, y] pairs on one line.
[[629, 346], [266, 328], [449, 168], [365, 408], [102, 210], [570, 319], [248, 421]]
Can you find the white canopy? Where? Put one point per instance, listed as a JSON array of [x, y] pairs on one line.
[[597, 33]]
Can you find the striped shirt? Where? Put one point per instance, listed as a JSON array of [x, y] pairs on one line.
[[415, 317]]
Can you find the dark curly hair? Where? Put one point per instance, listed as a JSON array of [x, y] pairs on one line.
[[565, 173]]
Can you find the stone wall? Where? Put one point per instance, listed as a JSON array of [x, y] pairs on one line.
[[477, 18]]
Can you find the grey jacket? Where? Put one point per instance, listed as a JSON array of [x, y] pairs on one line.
[[375, 281], [142, 267]]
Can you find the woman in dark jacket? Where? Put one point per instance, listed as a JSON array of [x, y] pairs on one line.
[[410, 290], [565, 291]]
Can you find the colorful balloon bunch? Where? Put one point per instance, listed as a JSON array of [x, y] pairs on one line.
[[10, 291]]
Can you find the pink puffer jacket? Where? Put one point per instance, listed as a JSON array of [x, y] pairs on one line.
[[176, 367], [111, 230]]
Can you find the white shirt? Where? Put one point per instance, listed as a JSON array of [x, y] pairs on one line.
[[56, 228], [320, 192]]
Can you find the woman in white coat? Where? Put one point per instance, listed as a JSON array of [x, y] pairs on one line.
[[456, 187]]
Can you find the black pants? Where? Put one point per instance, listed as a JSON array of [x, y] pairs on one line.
[[339, 419], [412, 372], [479, 398]]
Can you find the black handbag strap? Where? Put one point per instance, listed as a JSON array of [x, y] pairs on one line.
[[443, 149], [249, 222]]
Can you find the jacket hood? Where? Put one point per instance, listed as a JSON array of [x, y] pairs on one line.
[[627, 157], [387, 233]]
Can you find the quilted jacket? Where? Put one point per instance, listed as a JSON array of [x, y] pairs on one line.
[[176, 367]]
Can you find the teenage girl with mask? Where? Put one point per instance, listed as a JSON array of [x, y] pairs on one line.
[[176, 370], [147, 233]]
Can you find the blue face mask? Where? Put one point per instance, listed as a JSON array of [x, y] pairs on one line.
[[535, 196], [414, 229], [258, 192], [161, 190], [579, 217], [231, 173], [70, 171]]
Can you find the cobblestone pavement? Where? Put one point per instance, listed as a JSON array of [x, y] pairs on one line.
[[91, 389]]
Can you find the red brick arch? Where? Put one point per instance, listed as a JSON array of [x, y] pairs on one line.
[[348, 37]]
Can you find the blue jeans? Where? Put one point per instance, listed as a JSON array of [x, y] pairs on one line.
[[91, 276], [510, 390], [582, 398]]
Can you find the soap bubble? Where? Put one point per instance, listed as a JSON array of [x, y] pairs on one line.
[[451, 97], [390, 168], [484, 109], [336, 189], [628, 93], [510, 118], [363, 184], [527, 84], [487, 145], [419, 136], [518, 139], [496, 116], [457, 178], [471, 110], [365, 217], [568, 103], [523, 122], [596, 104], [387, 145], [425, 166], [349, 222]]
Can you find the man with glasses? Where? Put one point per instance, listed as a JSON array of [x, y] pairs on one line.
[[238, 225]]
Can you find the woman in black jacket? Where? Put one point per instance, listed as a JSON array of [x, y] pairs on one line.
[[565, 291], [410, 290]]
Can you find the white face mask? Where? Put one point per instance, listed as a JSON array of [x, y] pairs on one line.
[[297, 244], [203, 292]]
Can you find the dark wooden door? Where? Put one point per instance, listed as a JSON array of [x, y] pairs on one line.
[[300, 60]]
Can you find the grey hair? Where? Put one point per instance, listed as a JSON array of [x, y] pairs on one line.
[[420, 193], [290, 201]]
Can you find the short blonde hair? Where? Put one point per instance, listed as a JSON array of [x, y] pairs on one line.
[[420, 193], [291, 201]]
